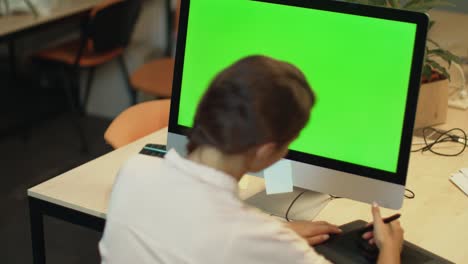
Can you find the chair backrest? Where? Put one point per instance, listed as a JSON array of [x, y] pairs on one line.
[[176, 17], [112, 22], [138, 121]]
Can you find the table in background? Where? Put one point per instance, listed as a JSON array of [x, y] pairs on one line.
[[16, 25], [11, 25], [435, 220]]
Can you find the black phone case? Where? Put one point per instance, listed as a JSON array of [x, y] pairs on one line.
[[155, 150]]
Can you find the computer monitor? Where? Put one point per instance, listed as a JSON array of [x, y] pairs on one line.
[[363, 63]]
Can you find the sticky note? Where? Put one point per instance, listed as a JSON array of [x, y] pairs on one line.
[[278, 177], [461, 181]]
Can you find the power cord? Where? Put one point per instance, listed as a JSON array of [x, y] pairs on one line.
[[286, 215], [443, 137], [411, 194]]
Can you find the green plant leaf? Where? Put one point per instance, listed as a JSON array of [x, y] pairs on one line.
[[439, 68], [426, 5], [378, 2], [431, 24], [445, 55], [411, 2], [364, 2], [394, 3], [427, 72], [433, 42]]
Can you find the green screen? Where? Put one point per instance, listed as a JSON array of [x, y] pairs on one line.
[[359, 68]]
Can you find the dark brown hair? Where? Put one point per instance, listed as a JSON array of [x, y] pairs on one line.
[[254, 101]]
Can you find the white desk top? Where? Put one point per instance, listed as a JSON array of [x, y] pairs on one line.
[[436, 219], [13, 23], [87, 187]]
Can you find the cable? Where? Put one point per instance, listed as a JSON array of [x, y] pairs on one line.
[[411, 194], [291, 205], [443, 136], [333, 197], [286, 216]]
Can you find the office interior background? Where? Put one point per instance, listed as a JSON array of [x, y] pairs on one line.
[[38, 139]]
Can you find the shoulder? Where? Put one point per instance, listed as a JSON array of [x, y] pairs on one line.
[[139, 162], [134, 179]]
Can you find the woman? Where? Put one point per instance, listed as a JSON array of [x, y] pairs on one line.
[[186, 209]]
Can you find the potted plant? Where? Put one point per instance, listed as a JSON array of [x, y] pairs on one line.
[[433, 94]]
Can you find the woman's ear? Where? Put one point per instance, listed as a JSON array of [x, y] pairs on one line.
[[266, 151], [263, 156]]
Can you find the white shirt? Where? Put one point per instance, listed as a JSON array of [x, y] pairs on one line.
[[173, 210]]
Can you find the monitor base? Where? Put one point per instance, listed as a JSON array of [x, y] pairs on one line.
[[307, 207]]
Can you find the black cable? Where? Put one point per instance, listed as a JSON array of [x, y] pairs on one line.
[[411, 194], [443, 136], [291, 205], [286, 216], [333, 197]]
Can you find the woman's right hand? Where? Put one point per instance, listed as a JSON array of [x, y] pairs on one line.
[[387, 237]]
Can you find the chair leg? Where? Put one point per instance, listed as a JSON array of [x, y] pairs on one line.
[[124, 69], [75, 89], [68, 89], [88, 87], [12, 58], [7, 7]]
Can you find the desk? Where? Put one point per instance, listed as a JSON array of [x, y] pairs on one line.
[[436, 219], [15, 24], [11, 26]]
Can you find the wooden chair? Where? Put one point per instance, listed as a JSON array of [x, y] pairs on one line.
[[155, 77], [105, 35], [138, 121]]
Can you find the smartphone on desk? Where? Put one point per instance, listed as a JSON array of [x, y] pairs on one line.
[[155, 150]]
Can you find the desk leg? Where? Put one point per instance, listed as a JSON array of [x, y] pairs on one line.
[[39, 208], [12, 58], [37, 231]]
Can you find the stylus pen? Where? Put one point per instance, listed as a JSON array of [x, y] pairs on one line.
[[385, 220]]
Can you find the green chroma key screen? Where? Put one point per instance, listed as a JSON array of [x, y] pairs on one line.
[[359, 68]]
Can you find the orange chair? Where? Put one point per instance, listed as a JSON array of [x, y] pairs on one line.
[[155, 77], [138, 121], [104, 37]]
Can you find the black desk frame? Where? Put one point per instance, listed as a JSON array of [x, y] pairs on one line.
[[39, 208]]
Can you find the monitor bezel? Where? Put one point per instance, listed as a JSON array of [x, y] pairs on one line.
[[421, 22]]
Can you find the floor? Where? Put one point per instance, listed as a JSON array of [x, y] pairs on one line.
[[27, 159]]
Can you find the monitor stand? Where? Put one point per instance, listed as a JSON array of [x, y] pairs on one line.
[[307, 207]]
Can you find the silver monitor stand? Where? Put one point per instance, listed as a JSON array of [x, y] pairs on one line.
[[307, 207]]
